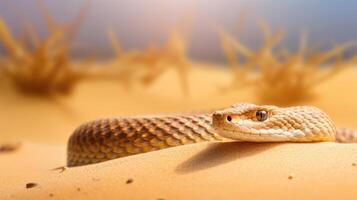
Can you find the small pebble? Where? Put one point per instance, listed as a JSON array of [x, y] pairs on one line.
[[290, 177], [354, 164], [129, 181], [31, 185], [60, 169], [78, 189], [9, 147], [51, 195]]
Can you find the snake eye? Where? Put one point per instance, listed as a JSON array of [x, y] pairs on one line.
[[229, 118], [261, 115]]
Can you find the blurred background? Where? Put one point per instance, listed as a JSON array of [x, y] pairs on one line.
[[139, 23], [66, 62]]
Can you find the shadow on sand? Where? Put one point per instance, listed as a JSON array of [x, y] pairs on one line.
[[221, 153]]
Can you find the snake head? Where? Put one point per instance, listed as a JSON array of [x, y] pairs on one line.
[[267, 123]]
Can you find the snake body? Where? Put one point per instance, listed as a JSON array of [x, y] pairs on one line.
[[105, 139], [111, 138]]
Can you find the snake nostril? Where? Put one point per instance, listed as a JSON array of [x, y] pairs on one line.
[[217, 115]]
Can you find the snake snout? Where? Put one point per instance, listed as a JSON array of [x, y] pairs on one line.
[[218, 119], [224, 123]]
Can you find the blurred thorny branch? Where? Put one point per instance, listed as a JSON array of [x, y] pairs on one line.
[[44, 66], [278, 75], [148, 65]]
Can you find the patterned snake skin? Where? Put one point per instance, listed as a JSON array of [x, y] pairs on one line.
[[107, 139]]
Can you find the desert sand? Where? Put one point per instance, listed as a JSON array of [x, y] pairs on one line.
[[199, 171]]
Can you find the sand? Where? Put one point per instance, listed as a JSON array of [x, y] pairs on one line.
[[199, 171]]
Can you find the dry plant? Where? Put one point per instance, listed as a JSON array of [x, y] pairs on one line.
[[147, 65], [278, 75], [42, 66]]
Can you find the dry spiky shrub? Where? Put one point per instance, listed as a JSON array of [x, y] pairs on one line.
[[278, 75], [41, 66], [147, 65]]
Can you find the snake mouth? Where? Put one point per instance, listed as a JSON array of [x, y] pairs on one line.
[[251, 136]]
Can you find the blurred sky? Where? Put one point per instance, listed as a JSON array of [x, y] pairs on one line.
[[141, 22]]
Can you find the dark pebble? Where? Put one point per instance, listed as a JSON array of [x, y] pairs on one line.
[[130, 180], [31, 185]]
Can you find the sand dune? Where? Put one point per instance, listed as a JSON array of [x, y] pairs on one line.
[[200, 171], [203, 171]]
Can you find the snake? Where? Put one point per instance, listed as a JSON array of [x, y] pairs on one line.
[[109, 138]]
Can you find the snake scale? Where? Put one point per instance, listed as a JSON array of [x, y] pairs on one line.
[[111, 138]]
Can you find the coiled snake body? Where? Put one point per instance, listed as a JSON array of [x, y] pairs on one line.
[[107, 139]]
